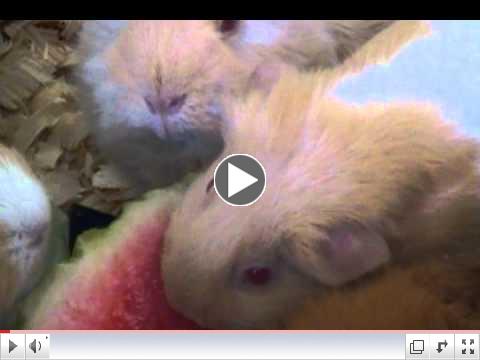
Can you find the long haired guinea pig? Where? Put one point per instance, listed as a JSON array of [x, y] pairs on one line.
[[349, 189], [152, 91], [24, 227], [269, 46], [438, 295], [303, 44]]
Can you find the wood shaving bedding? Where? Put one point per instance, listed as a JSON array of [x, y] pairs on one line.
[[40, 116]]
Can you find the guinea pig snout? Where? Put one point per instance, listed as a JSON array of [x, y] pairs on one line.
[[36, 240], [33, 236], [165, 105]]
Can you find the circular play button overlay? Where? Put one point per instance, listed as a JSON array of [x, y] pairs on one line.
[[240, 180]]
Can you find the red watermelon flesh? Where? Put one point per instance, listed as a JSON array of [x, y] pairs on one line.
[[115, 282]]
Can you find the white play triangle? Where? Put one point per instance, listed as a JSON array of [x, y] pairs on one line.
[[238, 180]]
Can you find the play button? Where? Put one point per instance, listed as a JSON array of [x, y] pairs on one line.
[[11, 346], [240, 180]]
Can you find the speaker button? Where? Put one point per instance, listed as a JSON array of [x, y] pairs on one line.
[[37, 346]]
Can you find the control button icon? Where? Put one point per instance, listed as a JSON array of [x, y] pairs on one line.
[[442, 346], [13, 346], [417, 346], [240, 180], [38, 346], [35, 346], [466, 346]]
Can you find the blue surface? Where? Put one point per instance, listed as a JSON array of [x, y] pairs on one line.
[[443, 68]]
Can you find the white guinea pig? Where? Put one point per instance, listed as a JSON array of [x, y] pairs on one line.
[[24, 228], [153, 95], [348, 190]]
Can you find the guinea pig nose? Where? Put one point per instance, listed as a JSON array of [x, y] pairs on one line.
[[176, 103], [37, 235], [36, 241], [258, 275], [160, 105]]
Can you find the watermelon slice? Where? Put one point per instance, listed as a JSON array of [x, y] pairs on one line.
[[113, 281]]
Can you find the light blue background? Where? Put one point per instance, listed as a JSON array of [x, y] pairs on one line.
[[443, 68]]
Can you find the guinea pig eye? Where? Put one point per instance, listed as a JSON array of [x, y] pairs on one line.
[[228, 26], [177, 102], [258, 275], [210, 185]]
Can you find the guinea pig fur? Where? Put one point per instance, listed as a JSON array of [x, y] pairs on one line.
[[305, 44], [24, 227], [438, 294], [152, 91], [349, 189]]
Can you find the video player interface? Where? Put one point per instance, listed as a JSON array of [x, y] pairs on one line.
[[248, 345], [239, 189]]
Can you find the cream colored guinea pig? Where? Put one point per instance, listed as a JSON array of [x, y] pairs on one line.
[[349, 189], [306, 44], [302, 44], [152, 91], [24, 228], [438, 294]]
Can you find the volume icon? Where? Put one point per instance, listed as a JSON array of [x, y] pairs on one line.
[[35, 346]]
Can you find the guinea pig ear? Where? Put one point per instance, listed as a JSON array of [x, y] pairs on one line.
[[344, 254], [266, 74]]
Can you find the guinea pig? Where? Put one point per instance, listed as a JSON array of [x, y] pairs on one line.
[[438, 294], [349, 189], [303, 44], [306, 44], [25, 214], [151, 90]]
